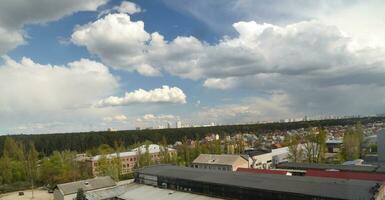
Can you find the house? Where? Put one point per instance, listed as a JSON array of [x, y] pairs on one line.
[[68, 191], [224, 162]]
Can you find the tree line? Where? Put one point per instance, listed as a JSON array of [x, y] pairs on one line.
[[46, 144]]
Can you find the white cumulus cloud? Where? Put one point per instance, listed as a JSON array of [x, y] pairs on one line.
[[34, 93], [15, 14], [129, 8], [118, 118], [165, 94], [153, 117], [301, 60]]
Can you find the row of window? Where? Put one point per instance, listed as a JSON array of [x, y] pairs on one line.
[[211, 167]]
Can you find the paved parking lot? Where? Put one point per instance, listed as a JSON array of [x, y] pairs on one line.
[[38, 195]]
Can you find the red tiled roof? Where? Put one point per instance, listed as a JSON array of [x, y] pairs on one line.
[[346, 175]]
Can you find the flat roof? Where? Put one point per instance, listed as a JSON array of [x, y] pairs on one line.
[[314, 186], [134, 191], [145, 192], [305, 166], [218, 159], [86, 185]]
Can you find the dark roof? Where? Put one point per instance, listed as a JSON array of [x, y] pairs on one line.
[[313, 186], [304, 166], [381, 169], [86, 185], [257, 152]]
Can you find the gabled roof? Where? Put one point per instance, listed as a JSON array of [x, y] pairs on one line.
[[86, 185], [223, 159]]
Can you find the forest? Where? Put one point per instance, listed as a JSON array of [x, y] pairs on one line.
[[46, 144]]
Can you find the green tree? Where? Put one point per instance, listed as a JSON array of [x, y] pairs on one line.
[[293, 142], [351, 148], [5, 169], [14, 150], [31, 163], [321, 145], [105, 149]]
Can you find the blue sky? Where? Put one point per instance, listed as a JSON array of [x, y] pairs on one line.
[[124, 64]]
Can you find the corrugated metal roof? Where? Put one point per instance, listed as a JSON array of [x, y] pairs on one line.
[[223, 159], [86, 185], [314, 186]]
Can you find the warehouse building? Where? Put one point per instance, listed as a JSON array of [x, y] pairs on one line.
[[237, 185]]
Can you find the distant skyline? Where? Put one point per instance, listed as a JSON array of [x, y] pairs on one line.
[[87, 65]]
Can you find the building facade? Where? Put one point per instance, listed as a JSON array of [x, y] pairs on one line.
[[129, 159]]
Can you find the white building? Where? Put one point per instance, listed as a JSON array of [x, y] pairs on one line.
[[267, 160]]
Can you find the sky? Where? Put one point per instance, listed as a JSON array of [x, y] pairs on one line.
[[68, 66]]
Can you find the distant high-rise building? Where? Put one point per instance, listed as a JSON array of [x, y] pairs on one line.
[[178, 124], [168, 124]]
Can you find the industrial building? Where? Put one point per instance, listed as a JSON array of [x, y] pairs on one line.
[[243, 185], [225, 162]]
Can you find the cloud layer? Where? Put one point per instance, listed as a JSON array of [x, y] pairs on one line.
[[165, 94]]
